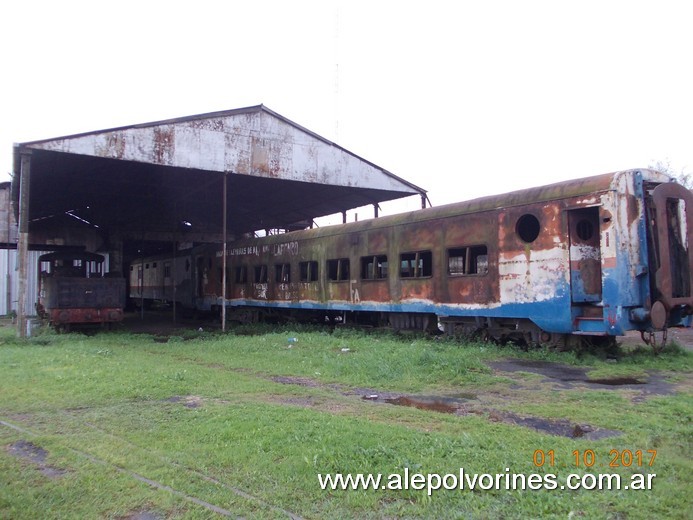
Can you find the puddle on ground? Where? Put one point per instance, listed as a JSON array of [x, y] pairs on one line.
[[557, 371], [561, 427], [616, 381], [569, 377], [36, 455], [435, 404], [460, 403]]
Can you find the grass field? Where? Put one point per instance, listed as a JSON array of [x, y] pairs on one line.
[[206, 425]]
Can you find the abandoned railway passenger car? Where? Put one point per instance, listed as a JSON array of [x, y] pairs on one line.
[[591, 257], [165, 279]]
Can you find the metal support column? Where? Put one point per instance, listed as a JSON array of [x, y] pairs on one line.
[[23, 240], [8, 277], [173, 278], [223, 261], [115, 253]]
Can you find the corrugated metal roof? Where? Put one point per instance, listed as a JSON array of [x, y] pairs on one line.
[[167, 176], [230, 138]]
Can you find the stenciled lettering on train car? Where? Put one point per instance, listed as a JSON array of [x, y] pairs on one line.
[[286, 248], [241, 251]]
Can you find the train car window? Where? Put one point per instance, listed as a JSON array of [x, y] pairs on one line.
[[146, 266], [241, 274], [308, 271], [338, 269], [467, 260], [260, 274], [154, 265], [374, 267], [167, 270], [528, 227], [282, 273], [584, 229], [416, 265]]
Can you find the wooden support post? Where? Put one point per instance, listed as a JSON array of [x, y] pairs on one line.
[[23, 240]]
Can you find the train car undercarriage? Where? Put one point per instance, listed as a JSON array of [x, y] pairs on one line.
[[500, 330]]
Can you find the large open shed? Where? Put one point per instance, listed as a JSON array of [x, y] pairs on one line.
[[192, 179]]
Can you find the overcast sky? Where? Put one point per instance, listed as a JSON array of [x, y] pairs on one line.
[[464, 98]]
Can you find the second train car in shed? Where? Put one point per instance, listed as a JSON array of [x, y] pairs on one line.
[[593, 257]]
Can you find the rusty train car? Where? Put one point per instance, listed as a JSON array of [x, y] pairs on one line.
[[73, 291], [589, 258]]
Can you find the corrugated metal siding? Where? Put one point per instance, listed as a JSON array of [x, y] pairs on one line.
[[5, 273], [9, 277]]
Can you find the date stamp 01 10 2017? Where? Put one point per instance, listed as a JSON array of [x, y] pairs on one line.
[[588, 458]]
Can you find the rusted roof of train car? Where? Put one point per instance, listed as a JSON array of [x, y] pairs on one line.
[[583, 187], [155, 176]]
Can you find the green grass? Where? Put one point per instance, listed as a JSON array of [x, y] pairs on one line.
[[212, 420]]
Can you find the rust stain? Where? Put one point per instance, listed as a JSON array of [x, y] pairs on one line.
[[213, 124], [633, 206], [164, 144], [115, 145], [590, 272]]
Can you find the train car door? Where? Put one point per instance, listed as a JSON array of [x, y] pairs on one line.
[[585, 255], [671, 255]]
